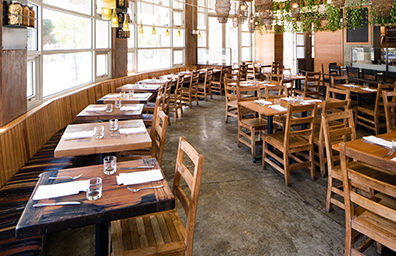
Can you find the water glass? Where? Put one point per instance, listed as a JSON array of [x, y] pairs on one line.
[[109, 108], [94, 188], [131, 92], [292, 99], [110, 165], [99, 132], [300, 99], [117, 104], [394, 145], [113, 124]]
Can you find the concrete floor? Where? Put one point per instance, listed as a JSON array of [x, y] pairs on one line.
[[243, 209]]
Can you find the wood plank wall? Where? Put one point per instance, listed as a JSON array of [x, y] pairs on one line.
[[23, 137], [268, 48], [191, 40], [119, 55], [329, 47]]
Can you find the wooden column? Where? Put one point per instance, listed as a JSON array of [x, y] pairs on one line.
[[119, 55], [278, 48], [191, 40], [13, 79]]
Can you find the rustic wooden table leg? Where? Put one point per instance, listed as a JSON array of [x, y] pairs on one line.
[[102, 239]]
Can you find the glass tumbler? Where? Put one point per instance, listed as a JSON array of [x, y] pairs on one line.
[[109, 108], [110, 165], [117, 104], [94, 191], [113, 124], [99, 132], [394, 145]]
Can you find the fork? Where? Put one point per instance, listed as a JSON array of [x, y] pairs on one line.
[[390, 153], [138, 189], [65, 177]]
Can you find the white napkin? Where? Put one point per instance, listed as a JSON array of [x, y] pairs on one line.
[[140, 95], [287, 99], [307, 102], [263, 102], [369, 89], [132, 130], [130, 108], [278, 107], [61, 189], [393, 159], [133, 178], [96, 108], [378, 141], [111, 96], [351, 85], [78, 135]]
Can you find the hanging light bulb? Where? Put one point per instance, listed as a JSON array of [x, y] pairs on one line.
[[106, 14], [114, 19], [294, 5], [243, 6], [178, 32], [153, 32], [199, 34], [167, 31], [141, 28], [125, 25]]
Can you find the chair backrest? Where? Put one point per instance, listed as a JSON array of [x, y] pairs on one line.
[[298, 125], [248, 93], [166, 95], [334, 69], [335, 93], [389, 99], [339, 80], [275, 91], [369, 74], [276, 78], [353, 72], [208, 77], [179, 85], [230, 86], [337, 126], [275, 67], [194, 80], [312, 82], [285, 72], [352, 198], [157, 134], [378, 98], [193, 181]]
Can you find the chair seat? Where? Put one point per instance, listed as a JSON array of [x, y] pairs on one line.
[[367, 222], [232, 103], [256, 123], [154, 234], [278, 138]]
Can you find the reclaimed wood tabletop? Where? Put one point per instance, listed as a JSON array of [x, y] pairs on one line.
[[125, 112], [144, 87], [136, 98]]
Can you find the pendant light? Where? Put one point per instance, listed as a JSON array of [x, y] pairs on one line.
[[222, 8], [114, 19], [141, 25], [243, 11], [125, 25], [153, 32], [178, 32], [107, 7], [167, 31], [199, 34], [235, 18]]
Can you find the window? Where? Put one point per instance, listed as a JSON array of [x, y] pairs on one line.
[[70, 47]]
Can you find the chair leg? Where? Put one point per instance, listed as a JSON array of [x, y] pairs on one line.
[[286, 168], [253, 141], [329, 192], [239, 132], [322, 159], [264, 164], [226, 114], [312, 158], [348, 239]]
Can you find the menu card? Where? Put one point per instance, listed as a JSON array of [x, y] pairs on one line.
[[133, 178], [60, 189]]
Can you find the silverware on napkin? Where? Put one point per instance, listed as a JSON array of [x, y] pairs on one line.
[[137, 167]]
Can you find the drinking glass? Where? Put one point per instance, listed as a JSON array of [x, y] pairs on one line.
[[117, 104], [99, 132], [110, 165], [300, 99], [124, 95], [113, 124], [131, 92], [109, 108], [394, 145], [94, 188], [293, 99]]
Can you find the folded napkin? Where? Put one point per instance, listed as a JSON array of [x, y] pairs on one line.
[[369, 89], [393, 159], [287, 99], [307, 102], [132, 130], [111, 96], [351, 85], [130, 108], [140, 95], [278, 107], [78, 135], [133, 178], [61, 189], [263, 102], [96, 108], [378, 141]]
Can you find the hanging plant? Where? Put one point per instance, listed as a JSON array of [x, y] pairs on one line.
[[354, 17], [334, 18]]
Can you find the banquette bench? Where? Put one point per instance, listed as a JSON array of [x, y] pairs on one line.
[[27, 147]]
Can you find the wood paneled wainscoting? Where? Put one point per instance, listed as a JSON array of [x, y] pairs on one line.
[[24, 136]]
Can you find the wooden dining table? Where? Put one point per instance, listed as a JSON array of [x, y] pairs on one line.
[[141, 87], [112, 141], [136, 98], [116, 202], [90, 114], [374, 150], [358, 90]]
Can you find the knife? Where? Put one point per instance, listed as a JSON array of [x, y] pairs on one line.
[[137, 167], [55, 204]]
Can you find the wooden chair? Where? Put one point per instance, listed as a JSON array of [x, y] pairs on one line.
[[166, 97], [250, 127], [373, 217], [217, 85], [293, 143], [251, 71], [335, 93], [311, 85], [176, 98], [338, 80], [230, 86], [190, 93], [389, 99], [205, 88], [373, 117], [163, 233]]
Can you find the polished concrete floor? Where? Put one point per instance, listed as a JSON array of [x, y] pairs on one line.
[[243, 209]]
